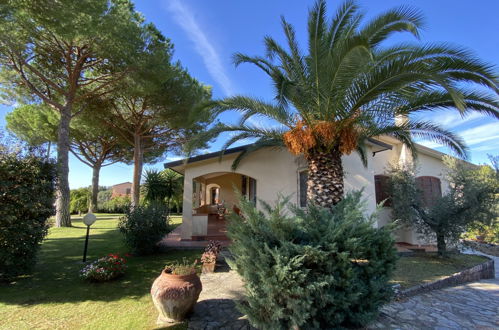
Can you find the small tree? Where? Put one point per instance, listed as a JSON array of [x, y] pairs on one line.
[[174, 192], [79, 200], [155, 186], [314, 268], [163, 187], [103, 196], [472, 197]]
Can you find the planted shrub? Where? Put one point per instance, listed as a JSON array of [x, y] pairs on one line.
[[144, 226], [116, 204], [104, 269], [312, 268], [26, 203]]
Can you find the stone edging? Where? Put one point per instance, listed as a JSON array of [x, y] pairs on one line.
[[482, 271]]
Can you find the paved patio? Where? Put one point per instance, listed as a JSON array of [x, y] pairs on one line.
[[471, 306]]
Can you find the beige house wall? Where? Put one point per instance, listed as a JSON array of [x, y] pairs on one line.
[[276, 172]]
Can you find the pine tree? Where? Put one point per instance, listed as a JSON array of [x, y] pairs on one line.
[[312, 268]]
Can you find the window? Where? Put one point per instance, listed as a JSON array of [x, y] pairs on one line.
[[128, 191], [248, 188], [382, 189], [302, 188], [430, 188], [252, 190]]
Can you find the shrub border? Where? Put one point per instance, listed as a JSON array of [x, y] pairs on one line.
[[484, 270]]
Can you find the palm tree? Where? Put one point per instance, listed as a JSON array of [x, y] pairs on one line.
[[348, 87], [162, 186]]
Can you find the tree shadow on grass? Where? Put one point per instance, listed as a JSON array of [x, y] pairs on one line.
[[56, 276]]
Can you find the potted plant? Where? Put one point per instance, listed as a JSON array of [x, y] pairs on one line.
[[176, 291], [208, 259]]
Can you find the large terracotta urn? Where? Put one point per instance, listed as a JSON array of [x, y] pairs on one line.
[[175, 295]]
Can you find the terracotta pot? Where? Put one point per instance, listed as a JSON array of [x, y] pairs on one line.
[[209, 267], [175, 296]]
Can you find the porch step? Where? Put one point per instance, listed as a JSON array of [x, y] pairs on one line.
[[210, 238]]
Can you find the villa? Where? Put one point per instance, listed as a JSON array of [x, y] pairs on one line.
[[210, 183]]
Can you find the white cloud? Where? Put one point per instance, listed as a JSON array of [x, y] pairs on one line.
[[480, 134], [212, 61], [475, 137], [450, 118]]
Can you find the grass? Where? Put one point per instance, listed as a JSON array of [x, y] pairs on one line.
[[54, 297], [424, 268]]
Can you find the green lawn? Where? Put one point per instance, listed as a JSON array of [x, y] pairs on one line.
[[55, 298], [426, 268]]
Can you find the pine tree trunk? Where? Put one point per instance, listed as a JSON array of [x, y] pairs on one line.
[[325, 178], [138, 159], [441, 246], [95, 187], [48, 150], [63, 216]]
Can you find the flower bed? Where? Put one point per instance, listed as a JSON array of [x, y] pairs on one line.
[[104, 269]]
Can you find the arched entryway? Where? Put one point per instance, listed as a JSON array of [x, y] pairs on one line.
[[215, 197]]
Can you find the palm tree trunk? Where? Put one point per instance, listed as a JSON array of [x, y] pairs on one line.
[[325, 178], [138, 159], [95, 187], [63, 216]]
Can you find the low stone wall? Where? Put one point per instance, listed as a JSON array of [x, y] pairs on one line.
[[483, 271]]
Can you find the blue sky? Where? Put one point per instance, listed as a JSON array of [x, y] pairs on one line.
[[207, 33]]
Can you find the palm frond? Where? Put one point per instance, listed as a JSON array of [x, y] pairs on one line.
[[430, 132], [476, 101], [264, 65], [249, 107], [402, 19], [342, 21]]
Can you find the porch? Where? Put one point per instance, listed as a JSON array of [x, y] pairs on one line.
[[208, 199], [217, 230]]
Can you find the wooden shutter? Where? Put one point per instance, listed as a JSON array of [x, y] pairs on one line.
[[430, 189], [382, 189]]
